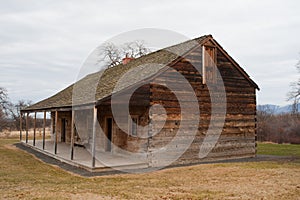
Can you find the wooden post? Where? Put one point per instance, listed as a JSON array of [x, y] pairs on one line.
[[21, 121], [55, 133], [44, 129], [27, 127], [72, 135], [34, 129], [203, 66], [94, 137]]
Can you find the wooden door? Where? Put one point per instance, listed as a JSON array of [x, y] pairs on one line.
[[63, 130], [109, 130]]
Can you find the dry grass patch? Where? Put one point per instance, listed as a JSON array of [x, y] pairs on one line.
[[24, 177]]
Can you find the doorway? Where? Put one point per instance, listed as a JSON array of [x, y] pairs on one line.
[[63, 130], [109, 128]]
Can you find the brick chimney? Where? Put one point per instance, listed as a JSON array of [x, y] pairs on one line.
[[127, 59]]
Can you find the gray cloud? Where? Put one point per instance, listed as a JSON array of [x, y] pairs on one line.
[[44, 43]]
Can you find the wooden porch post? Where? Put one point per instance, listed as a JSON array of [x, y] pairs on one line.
[[34, 128], [27, 115], [21, 121], [72, 135], [44, 129], [94, 137], [55, 133]]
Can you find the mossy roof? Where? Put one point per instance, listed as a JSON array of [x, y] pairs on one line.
[[99, 85]]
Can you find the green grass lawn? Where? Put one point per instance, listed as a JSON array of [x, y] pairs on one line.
[[22, 176], [278, 149]]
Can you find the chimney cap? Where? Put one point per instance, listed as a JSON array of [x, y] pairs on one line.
[[127, 59]]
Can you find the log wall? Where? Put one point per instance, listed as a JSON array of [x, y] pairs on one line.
[[238, 134], [138, 107], [62, 115]]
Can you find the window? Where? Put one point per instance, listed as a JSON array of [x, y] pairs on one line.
[[133, 125], [208, 64]]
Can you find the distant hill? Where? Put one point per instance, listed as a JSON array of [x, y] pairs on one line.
[[270, 108]]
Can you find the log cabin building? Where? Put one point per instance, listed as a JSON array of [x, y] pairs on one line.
[[82, 114]]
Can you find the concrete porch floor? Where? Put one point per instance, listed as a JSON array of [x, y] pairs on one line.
[[83, 158]]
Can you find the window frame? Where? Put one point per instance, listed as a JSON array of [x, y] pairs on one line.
[[132, 119]]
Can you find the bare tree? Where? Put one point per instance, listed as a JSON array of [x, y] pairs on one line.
[[279, 128], [3, 120], [4, 106], [294, 94], [10, 112], [135, 49], [4, 101], [113, 54], [15, 112]]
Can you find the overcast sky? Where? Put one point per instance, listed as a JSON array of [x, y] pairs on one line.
[[43, 43]]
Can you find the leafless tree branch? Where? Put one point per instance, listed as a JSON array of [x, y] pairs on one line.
[[112, 54], [294, 94]]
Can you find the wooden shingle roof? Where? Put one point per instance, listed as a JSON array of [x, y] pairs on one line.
[[92, 88]]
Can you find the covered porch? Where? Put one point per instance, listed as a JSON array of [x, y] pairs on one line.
[[83, 158], [66, 148]]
